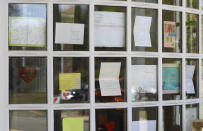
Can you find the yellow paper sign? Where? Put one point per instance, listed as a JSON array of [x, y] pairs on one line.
[[73, 124], [69, 81]]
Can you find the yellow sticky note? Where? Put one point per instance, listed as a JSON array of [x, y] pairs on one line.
[[69, 81], [73, 124]]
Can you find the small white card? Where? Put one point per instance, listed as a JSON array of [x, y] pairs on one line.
[[69, 33], [190, 89], [109, 29], [109, 79], [142, 31], [148, 125]]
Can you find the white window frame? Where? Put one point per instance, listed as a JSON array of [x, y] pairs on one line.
[[128, 54]]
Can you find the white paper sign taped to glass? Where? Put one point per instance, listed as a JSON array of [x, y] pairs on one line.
[[190, 69], [191, 115], [69, 33], [144, 79], [148, 125], [109, 78], [142, 31], [27, 31], [169, 34], [109, 29]]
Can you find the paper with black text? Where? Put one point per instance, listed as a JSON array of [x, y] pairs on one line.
[[109, 78], [142, 31], [69, 33], [109, 29]]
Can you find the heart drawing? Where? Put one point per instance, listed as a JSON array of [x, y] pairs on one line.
[[27, 73]]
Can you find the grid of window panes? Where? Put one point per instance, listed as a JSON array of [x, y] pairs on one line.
[[105, 65]]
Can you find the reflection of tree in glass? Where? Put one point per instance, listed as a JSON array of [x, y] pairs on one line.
[[192, 33]]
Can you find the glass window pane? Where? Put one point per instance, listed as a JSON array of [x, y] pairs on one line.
[[110, 28], [201, 111], [172, 118], [111, 120], [192, 78], [147, 1], [110, 79], [28, 120], [202, 31], [27, 26], [71, 79], [172, 2], [147, 13], [192, 33], [144, 114], [202, 80], [71, 27], [172, 38], [71, 120], [27, 80], [202, 4], [144, 78], [171, 79], [192, 113], [192, 4]]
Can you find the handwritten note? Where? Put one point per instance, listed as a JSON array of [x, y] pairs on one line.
[[142, 31], [190, 89], [69, 81], [169, 34], [73, 124], [109, 29], [69, 33], [27, 31], [109, 78]]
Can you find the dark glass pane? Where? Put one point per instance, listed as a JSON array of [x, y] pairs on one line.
[[116, 90], [71, 120], [192, 33], [192, 4], [27, 80], [24, 120], [71, 80], [172, 118], [172, 38], [143, 117], [111, 120], [172, 2], [172, 79], [110, 28], [144, 78], [74, 20], [147, 1], [147, 13], [27, 26]]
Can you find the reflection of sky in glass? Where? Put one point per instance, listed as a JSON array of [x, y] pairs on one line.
[[27, 10], [202, 4]]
